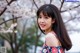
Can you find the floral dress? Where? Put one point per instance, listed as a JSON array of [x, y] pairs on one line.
[[48, 49], [52, 49]]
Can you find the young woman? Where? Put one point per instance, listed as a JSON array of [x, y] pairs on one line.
[[51, 24]]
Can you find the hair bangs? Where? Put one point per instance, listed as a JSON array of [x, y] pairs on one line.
[[47, 11]]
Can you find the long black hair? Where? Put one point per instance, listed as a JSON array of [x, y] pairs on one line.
[[58, 27]]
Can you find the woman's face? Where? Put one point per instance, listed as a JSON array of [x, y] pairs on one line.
[[45, 22]]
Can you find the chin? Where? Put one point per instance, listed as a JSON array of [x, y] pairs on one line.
[[43, 29]]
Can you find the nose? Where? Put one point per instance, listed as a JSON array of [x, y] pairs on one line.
[[42, 20]]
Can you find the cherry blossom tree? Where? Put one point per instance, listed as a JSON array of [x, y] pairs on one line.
[[18, 17]]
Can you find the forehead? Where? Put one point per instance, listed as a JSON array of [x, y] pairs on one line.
[[42, 13]]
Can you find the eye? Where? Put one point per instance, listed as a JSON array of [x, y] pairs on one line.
[[39, 17], [46, 17]]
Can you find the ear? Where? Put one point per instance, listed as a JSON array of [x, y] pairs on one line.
[[53, 21]]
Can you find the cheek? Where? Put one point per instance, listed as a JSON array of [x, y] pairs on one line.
[[49, 23], [38, 21]]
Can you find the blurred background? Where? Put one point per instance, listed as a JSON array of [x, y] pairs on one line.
[[18, 27]]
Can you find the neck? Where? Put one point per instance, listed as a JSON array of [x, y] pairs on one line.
[[47, 31]]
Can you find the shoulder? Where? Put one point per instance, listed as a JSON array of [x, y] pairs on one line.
[[51, 39], [50, 36]]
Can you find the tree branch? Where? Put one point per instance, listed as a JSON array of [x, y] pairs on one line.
[[5, 22], [6, 7], [78, 30], [70, 19], [70, 8], [50, 1], [9, 20], [62, 2], [4, 37], [35, 4], [6, 1]]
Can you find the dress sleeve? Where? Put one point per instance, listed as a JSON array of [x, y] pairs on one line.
[[48, 49], [58, 49]]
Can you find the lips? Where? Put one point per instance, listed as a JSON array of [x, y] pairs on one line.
[[42, 25]]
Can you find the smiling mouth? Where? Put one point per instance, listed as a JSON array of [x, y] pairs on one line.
[[42, 25]]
